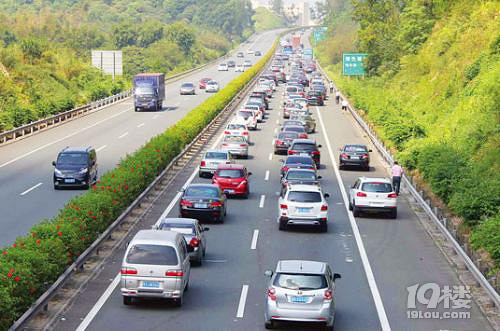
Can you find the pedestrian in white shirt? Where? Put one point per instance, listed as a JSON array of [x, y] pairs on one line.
[[344, 104], [397, 173], [337, 97]]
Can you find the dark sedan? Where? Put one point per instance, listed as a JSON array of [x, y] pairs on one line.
[[297, 162], [283, 141], [306, 147], [203, 202], [300, 176], [355, 155]]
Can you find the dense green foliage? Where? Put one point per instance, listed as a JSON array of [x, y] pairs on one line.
[[267, 20], [433, 94], [36, 260], [45, 47]]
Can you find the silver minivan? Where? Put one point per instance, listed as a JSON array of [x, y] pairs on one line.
[[155, 265]]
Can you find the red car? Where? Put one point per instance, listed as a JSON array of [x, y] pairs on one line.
[[232, 179], [203, 83]]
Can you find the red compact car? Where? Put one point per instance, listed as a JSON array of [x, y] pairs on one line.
[[232, 179], [203, 82]]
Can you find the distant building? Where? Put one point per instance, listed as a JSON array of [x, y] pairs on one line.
[[301, 11], [306, 15]]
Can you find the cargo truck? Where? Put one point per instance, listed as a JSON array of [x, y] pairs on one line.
[[296, 41], [149, 91]]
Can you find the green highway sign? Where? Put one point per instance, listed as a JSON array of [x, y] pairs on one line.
[[319, 34], [353, 64]]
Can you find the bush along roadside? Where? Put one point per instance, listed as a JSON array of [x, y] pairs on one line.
[[35, 261]]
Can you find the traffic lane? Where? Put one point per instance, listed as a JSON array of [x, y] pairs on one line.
[[120, 136], [354, 305], [401, 251]]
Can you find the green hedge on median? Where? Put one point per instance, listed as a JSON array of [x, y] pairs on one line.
[[35, 261]]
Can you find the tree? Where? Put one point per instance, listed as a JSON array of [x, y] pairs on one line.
[[277, 6], [32, 49], [181, 34], [124, 34]]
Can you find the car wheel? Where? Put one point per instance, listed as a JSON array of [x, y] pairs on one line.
[[282, 226], [269, 325], [186, 288], [178, 302], [323, 227], [367, 168], [350, 205], [127, 301], [201, 174], [56, 187], [355, 211], [136, 109], [329, 327], [394, 213], [341, 166]]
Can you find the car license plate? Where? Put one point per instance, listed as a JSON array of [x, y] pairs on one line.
[[200, 205], [303, 210], [69, 180], [304, 154], [354, 157], [299, 299], [229, 191], [151, 284]]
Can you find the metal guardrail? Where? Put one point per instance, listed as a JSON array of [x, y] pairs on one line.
[[425, 204], [42, 302], [64, 117]]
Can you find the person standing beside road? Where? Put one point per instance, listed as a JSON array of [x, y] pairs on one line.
[[344, 104], [331, 86], [337, 97], [396, 172]]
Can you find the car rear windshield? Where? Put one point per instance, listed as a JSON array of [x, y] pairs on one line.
[[305, 175], [376, 187], [230, 173], [235, 139], [245, 114], [299, 159], [72, 158], [291, 123], [152, 254], [355, 149], [176, 227], [294, 129], [236, 126], [187, 85], [216, 155], [202, 191], [303, 147], [288, 135], [292, 89], [299, 196], [300, 281]]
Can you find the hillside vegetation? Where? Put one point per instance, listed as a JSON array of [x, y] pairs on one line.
[[433, 92], [267, 20], [45, 47]]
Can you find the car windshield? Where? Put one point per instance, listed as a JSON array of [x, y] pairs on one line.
[[216, 155], [230, 173], [299, 160], [355, 149], [202, 191], [303, 147], [377, 187], [234, 139], [144, 90], [178, 227], [72, 159], [300, 281], [298, 196], [212, 83], [236, 127], [304, 175], [152, 254]]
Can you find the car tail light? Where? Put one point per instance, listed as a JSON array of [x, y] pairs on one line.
[[243, 145], [243, 183], [285, 169], [194, 242], [361, 194], [203, 163], [174, 273], [186, 203], [245, 133], [224, 144], [283, 206], [324, 208], [227, 132], [216, 204], [364, 156], [315, 152], [128, 271], [279, 142], [328, 295], [291, 152], [303, 135], [392, 195], [271, 293], [344, 156]]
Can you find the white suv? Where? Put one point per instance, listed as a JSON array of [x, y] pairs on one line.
[[303, 205], [373, 195], [249, 117]]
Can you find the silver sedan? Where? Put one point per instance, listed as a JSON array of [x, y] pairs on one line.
[[236, 145]]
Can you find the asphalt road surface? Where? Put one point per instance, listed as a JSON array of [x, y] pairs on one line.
[[378, 257], [26, 191]]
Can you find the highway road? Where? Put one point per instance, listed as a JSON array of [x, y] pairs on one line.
[[26, 191], [377, 257]]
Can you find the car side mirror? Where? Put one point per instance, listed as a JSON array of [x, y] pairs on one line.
[[249, 174], [127, 243], [206, 229], [336, 276], [282, 161], [326, 195], [54, 163], [154, 227], [268, 273], [319, 146], [369, 151], [319, 177]]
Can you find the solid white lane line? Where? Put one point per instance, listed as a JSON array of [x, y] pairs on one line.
[[61, 139], [141, 125], [270, 156], [102, 300], [30, 189], [254, 239], [379, 305], [101, 148], [243, 300], [123, 135], [262, 199], [266, 178], [275, 130], [156, 116], [105, 296], [279, 113], [277, 121]]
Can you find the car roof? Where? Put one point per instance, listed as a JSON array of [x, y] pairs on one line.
[[375, 179], [304, 141], [355, 145], [202, 185], [304, 188], [76, 149], [298, 157], [217, 151], [301, 266], [179, 220], [152, 236], [300, 170], [231, 166]]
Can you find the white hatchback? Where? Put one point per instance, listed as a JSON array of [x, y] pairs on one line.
[[303, 205], [373, 195], [237, 128], [223, 67]]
